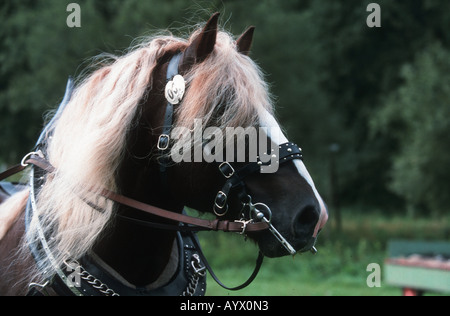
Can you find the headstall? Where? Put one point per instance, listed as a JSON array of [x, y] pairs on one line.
[[253, 217], [250, 214]]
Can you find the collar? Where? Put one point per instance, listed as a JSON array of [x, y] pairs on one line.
[[92, 279]]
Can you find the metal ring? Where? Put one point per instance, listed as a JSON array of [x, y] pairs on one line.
[[255, 207], [161, 145], [221, 214], [221, 194], [22, 163], [231, 169]]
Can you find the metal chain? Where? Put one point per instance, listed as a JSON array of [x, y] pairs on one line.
[[90, 279], [199, 271], [192, 286]]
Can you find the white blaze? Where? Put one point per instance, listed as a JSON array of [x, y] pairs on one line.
[[278, 137]]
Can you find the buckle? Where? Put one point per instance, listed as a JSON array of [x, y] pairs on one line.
[[221, 200], [163, 142], [226, 169], [244, 225], [197, 265], [220, 204]]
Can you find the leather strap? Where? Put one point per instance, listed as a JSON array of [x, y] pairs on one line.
[[202, 224], [213, 225], [164, 138], [235, 178], [259, 262], [34, 160], [11, 171]]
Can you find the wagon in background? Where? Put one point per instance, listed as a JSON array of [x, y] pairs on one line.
[[418, 267]]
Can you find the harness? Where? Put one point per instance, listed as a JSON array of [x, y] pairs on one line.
[[251, 214], [88, 277], [190, 278]]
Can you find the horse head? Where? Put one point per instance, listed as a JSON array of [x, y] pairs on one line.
[[221, 123]]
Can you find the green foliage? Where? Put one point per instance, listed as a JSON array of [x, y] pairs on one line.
[[416, 115], [332, 76], [339, 267]]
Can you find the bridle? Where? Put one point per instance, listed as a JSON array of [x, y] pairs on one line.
[[251, 214], [253, 217]]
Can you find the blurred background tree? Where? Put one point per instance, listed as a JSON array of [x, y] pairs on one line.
[[381, 94], [420, 170]]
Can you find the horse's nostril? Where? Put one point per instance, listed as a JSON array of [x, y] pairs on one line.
[[305, 221]]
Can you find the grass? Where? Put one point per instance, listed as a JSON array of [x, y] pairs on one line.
[[338, 269]]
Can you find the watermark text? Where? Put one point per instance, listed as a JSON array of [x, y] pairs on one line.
[[74, 18]]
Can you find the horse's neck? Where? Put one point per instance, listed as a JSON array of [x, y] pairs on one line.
[[136, 252]]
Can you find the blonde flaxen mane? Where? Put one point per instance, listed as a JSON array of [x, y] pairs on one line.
[[89, 139]]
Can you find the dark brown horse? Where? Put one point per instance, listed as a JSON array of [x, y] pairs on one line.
[[121, 131]]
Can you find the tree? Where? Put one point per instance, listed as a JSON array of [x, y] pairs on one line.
[[416, 115], [38, 51], [363, 66]]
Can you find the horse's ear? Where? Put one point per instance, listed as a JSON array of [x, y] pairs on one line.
[[244, 42], [203, 43]]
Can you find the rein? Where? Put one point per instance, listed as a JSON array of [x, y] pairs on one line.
[[196, 224]]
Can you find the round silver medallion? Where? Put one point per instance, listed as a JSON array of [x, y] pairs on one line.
[[175, 89]]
